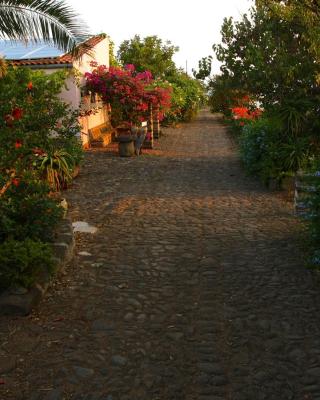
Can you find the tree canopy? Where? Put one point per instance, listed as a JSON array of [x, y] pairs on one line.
[[149, 53], [274, 52]]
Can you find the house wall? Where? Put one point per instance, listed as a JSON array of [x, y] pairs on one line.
[[72, 93], [100, 54]]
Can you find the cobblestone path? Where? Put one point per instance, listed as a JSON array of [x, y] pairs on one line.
[[191, 289]]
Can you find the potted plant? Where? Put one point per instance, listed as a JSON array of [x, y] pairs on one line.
[[56, 166], [126, 138]]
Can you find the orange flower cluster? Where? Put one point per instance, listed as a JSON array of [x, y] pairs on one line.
[[245, 113]]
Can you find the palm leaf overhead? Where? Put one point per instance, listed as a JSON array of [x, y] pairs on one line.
[[51, 21]]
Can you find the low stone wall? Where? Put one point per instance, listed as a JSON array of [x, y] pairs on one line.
[[21, 301]]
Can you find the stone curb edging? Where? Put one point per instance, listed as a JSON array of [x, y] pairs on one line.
[[21, 302]]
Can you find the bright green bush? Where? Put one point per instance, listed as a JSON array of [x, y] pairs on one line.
[[22, 261], [188, 96]]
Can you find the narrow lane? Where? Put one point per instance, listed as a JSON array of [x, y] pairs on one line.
[[192, 288]]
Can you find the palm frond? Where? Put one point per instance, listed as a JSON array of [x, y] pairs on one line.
[[51, 21]]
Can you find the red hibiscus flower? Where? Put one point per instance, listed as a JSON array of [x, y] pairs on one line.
[[18, 144], [30, 86], [17, 113], [15, 181]]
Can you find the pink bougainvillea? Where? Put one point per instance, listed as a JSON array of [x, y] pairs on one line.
[[129, 93]]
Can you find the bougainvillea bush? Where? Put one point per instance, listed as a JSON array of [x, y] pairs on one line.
[[128, 92], [33, 121]]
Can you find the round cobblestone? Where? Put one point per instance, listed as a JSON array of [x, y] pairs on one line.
[[191, 288]]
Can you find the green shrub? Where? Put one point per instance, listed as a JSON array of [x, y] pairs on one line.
[[258, 150], [269, 153], [33, 119], [22, 261], [311, 199], [73, 146], [26, 211], [314, 225], [187, 97]]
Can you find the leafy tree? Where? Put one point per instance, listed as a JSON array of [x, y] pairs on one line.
[[113, 62], [51, 21], [205, 66], [222, 95], [274, 53], [193, 93], [149, 54]]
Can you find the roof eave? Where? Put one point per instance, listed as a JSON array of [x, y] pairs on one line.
[[43, 65], [47, 66]]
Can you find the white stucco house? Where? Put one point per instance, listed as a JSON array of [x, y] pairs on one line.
[[41, 56]]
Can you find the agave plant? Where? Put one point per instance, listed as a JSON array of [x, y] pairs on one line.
[[293, 114], [51, 21], [56, 167]]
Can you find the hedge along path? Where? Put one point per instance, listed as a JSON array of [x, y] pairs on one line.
[[191, 289]]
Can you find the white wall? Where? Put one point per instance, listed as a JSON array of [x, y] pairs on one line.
[[72, 93], [100, 54]]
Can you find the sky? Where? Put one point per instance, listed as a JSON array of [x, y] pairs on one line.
[[194, 26]]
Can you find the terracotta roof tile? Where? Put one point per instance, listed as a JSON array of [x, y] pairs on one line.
[[40, 61], [64, 59]]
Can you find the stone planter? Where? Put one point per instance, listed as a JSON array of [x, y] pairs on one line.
[[126, 146]]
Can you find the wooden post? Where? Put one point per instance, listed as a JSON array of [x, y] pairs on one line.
[[148, 143], [156, 123]]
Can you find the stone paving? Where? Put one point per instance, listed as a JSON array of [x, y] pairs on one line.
[[192, 288]]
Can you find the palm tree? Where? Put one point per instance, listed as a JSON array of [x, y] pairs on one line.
[[51, 21]]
